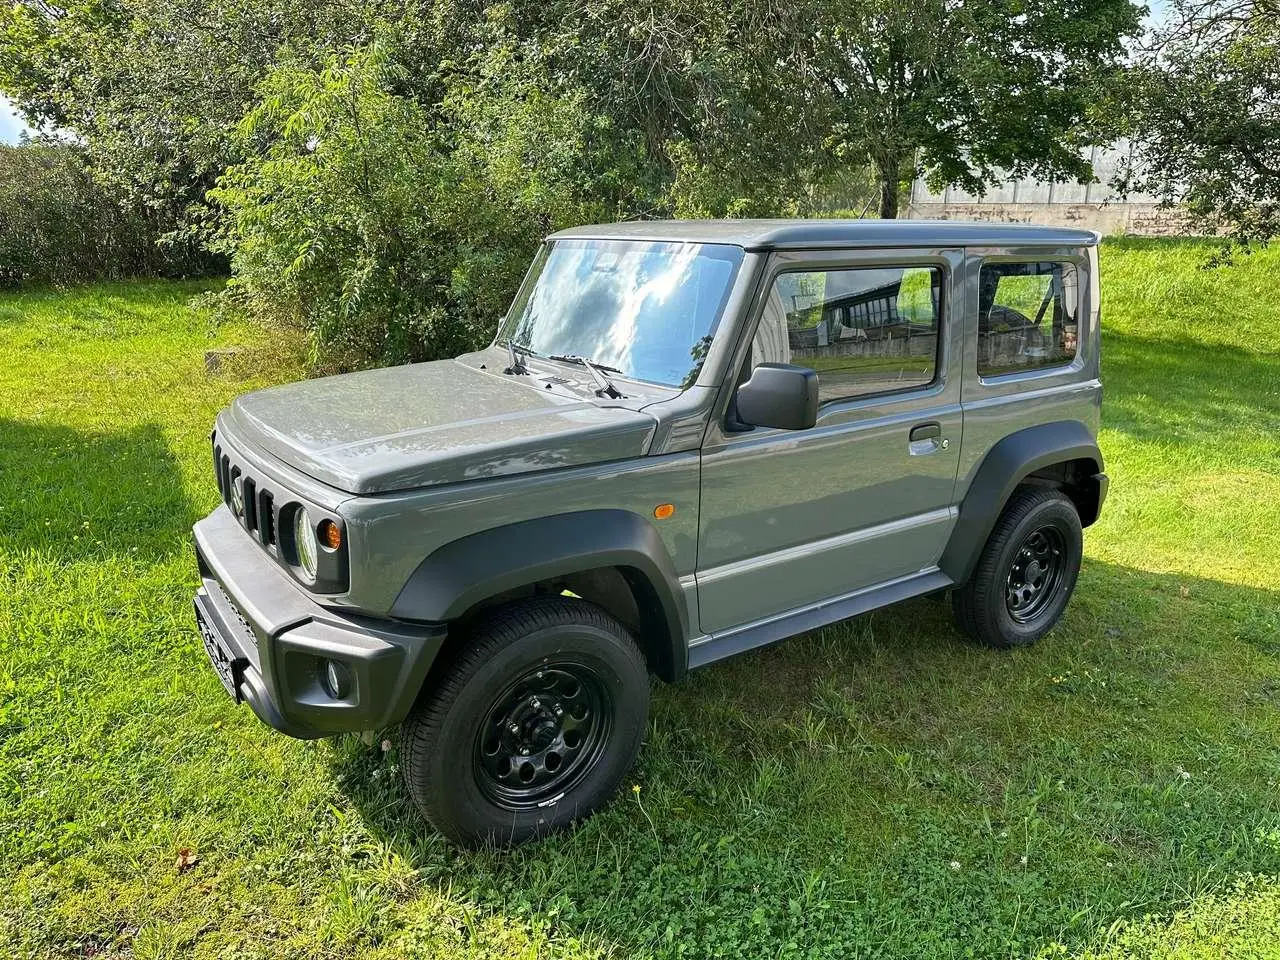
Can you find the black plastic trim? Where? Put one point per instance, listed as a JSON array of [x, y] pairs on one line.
[[1005, 466], [279, 638], [477, 567], [753, 636]]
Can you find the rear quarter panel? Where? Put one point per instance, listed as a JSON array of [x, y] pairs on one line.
[[996, 407]]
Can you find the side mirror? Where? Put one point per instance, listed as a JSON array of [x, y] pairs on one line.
[[779, 395]]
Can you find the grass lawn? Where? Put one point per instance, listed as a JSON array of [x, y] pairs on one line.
[[876, 789]]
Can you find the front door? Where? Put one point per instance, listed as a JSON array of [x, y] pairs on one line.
[[794, 518]]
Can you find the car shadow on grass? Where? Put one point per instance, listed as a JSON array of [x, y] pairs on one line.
[[73, 496], [882, 787]]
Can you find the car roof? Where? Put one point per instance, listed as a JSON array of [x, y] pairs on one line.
[[774, 234]]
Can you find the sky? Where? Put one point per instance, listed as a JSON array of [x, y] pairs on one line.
[[10, 124]]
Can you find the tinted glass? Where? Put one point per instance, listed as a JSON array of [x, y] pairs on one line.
[[865, 331], [646, 309], [1026, 316]]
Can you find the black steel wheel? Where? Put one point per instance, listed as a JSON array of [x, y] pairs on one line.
[[530, 727], [1036, 573], [1026, 573], [543, 734]]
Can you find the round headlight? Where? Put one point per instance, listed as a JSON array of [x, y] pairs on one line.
[[304, 539]]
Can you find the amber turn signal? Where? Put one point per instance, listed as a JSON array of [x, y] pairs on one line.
[[664, 510], [330, 535]]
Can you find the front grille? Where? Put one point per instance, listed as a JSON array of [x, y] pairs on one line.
[[259, 514], [262, 510]]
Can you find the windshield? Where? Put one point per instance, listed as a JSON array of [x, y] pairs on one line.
[[647, 310]]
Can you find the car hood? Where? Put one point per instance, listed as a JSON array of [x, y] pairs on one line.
[[430, 423]]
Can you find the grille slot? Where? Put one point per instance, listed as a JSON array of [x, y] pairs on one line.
[[250, 503], [266, 518], [225, 479]]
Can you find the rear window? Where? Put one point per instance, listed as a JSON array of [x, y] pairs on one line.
[[1026, 316]]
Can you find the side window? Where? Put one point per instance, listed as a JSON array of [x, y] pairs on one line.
[[865, 330], [1026, 316]]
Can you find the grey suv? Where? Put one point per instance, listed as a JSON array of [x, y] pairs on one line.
[[688, 440]]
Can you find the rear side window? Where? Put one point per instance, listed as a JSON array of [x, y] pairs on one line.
[[864, 330], [1026, 316]]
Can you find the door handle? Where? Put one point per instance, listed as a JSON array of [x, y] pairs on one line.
[[926, 438]]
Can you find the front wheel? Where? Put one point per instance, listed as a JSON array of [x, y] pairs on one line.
[[533, 726], [1026, 573]]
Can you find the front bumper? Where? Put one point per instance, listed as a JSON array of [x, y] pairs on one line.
[[270, 642]]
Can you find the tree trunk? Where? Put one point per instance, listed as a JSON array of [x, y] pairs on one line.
[[889, 171]]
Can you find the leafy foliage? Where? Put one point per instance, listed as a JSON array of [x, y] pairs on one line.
[[963, 89], [1203, 110], [379, 173], [392, 209], [57, 223], [392, 230], [156, 87]]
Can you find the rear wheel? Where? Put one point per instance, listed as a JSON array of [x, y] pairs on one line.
[[1026, 573], [532, 727]]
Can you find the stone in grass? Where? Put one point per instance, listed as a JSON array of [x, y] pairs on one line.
[[215, 361]]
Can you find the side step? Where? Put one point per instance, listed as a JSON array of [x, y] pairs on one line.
[[730, 643]]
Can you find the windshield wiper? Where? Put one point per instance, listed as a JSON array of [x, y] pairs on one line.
[[517, 361], [605, 386]]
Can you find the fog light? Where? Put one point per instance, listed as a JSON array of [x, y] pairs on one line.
[[337, 679]]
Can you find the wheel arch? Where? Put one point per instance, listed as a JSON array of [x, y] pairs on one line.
[[613, 558], [1062, 455]]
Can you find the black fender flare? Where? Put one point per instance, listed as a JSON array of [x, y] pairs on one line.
[[1008, 463], [459, 575]]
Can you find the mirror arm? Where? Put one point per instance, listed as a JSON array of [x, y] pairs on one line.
[[733, 423]]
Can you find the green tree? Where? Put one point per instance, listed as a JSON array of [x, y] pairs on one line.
[[701, 97], [155, 88], [1202, 109], [962, 89]]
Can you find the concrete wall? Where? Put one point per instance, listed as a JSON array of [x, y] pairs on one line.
[[1109, 219], [1091, 206]]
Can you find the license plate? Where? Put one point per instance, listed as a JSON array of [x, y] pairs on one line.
[[222, 662]]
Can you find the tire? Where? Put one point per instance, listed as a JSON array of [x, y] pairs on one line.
[[1026, 572], [556, 677]]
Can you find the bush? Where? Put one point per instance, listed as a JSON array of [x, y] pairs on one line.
[[58, 225], [391, 229]]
